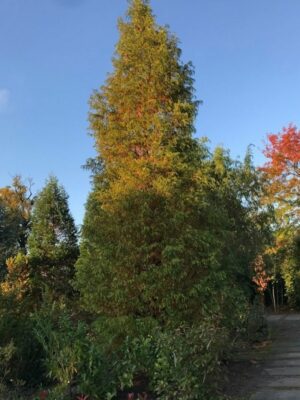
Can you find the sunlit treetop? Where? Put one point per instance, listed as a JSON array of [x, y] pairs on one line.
[[142, 118], [283, 152], [282, 171]]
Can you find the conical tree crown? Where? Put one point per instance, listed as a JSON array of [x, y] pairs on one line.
[[53, 248], [52, 224], [142, 118], [141, 230]]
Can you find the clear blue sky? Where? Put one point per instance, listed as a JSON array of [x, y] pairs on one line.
[[53, 53]]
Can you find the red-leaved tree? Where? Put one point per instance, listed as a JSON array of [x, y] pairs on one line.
[[282, 172]]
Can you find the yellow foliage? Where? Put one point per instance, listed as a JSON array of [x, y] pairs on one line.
[[17, 278]]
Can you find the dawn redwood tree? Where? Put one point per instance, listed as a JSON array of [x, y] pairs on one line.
[[152, 235], [137, 238], [53, 248]]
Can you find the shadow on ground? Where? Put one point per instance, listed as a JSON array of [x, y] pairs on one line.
[[270, 370]]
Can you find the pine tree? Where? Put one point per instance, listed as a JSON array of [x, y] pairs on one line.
[[53, 248]]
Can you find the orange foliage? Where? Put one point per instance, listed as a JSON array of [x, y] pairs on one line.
[[18, 197], [17, 278], [283, 151], [261, 278], [282, 171]]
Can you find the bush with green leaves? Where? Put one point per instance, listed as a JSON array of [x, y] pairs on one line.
[[6, 355], [61, 342], [188, 362], [125, 355], [290, 269], [256, 326], [17, 333]]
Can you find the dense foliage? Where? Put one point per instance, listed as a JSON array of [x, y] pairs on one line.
[[43, 259], [281, 175], [52, 242], [177, 247], [15, 209], [170, 229]]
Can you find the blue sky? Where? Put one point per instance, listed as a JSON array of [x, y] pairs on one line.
[[53, 53]]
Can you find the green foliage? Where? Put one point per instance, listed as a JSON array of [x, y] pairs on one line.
[[256, 327], [15, 212], [7, 234], [163, 214], [170, 230], [141, 230], [290, 269], [53, 240], [187, 362], [168, 238], [52, 245], [6, 355], [17, 330], [111, 357], [60, 341]]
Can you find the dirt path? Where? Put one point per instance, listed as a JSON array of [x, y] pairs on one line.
[[279, 372]]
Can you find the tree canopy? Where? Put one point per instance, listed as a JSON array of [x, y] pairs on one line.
[[53, 247], [282, 172], [16, 203], [176, 243]]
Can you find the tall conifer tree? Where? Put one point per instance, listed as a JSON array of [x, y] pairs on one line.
[[146, 220], [53, 248]]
